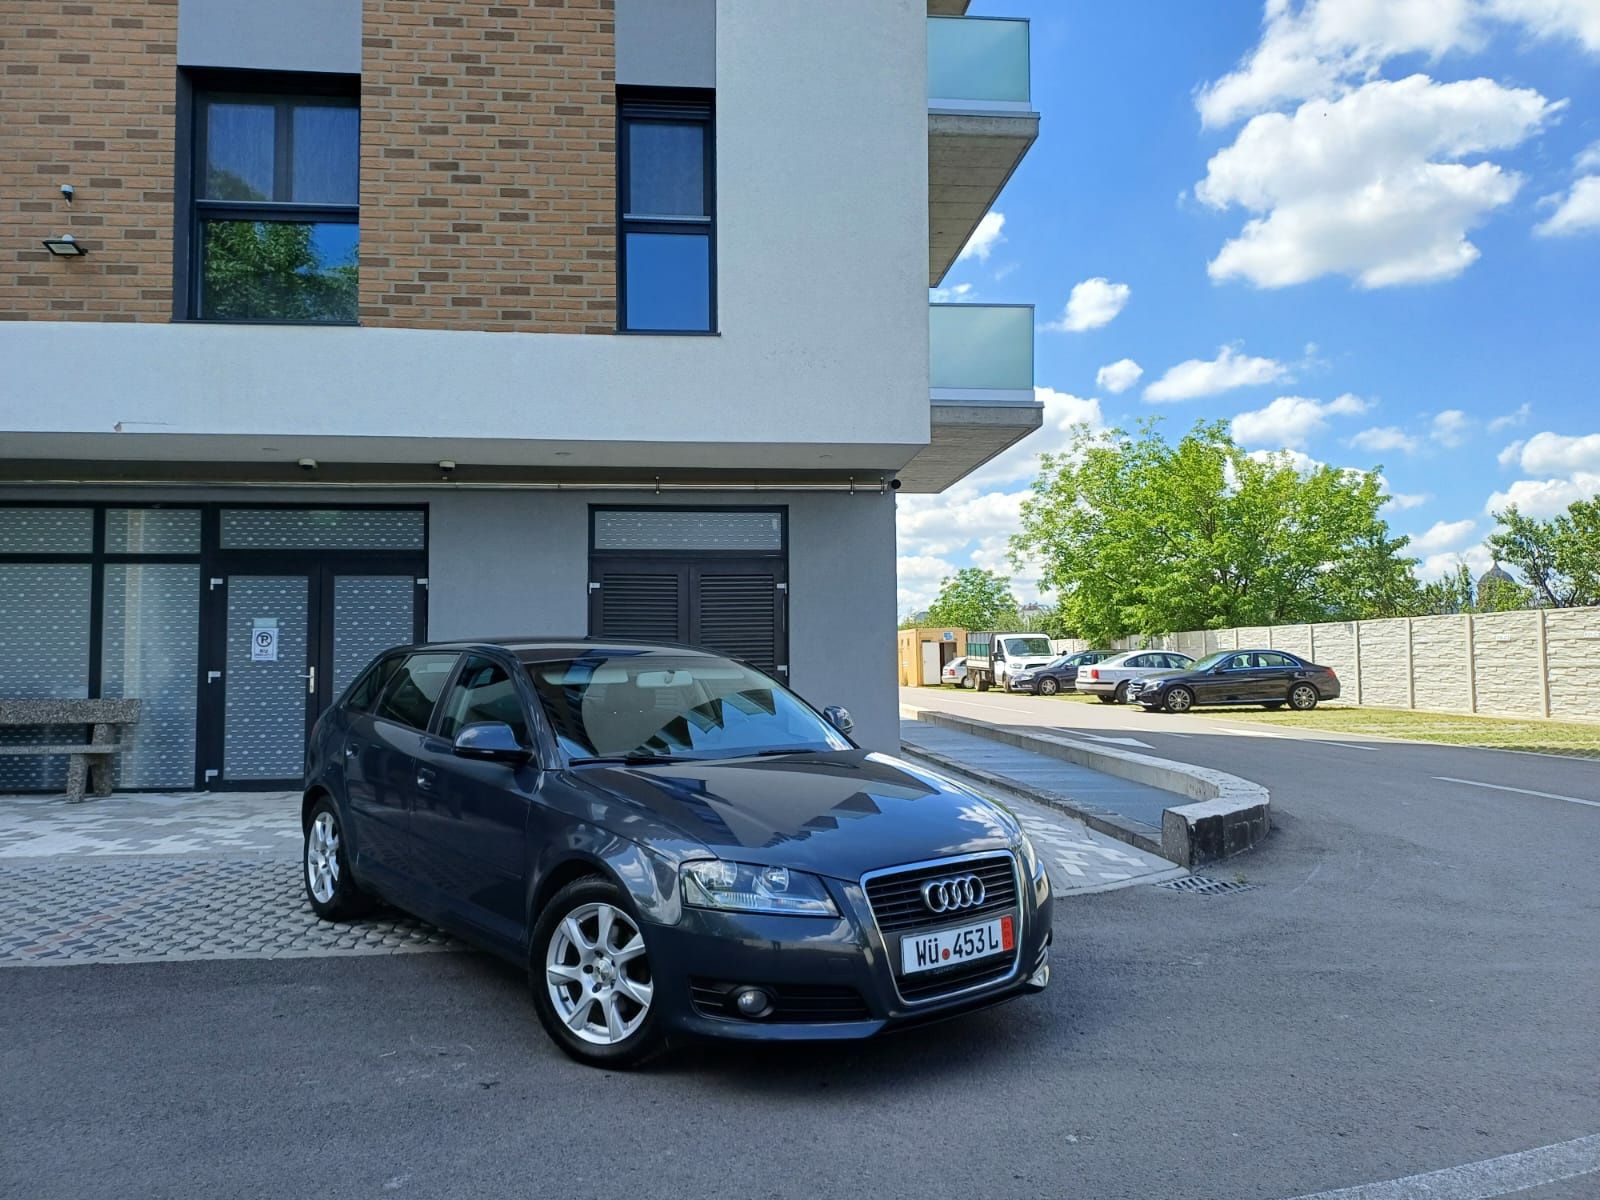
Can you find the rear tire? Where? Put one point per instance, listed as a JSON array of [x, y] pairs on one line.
[[983, 685], [330, 887], [965, 682], [1120, 696], [1106, 699], [1179, 700], [1048, 687], [1303, 697]]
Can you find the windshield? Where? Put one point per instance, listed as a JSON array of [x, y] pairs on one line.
[[1210, 660], [1028, 647], [605, 705]]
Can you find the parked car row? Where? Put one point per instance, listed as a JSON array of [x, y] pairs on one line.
[[1169, 681]]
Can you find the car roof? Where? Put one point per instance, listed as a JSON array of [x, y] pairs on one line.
[[548, 649]]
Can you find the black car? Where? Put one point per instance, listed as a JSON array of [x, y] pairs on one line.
[[671, 843], [1060, 675], [1271, 678]]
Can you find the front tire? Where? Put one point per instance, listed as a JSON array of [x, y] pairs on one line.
[[1048, 687], [1179, 700], [1303, 697], [593, 987], [330, 887]]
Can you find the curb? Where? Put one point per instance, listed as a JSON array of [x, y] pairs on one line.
[[1224, 815]]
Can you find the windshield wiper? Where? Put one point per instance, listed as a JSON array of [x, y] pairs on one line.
[[632, 760]]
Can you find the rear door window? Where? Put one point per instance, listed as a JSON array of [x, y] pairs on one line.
[[365, 691], [415, 688]]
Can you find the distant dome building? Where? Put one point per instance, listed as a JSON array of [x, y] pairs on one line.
[[1495, 576]]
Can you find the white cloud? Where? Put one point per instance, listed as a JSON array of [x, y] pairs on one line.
[[1578, 212], [1401, 501], [1382, 438], [985, 238], [1443, 535], [1203, 377], [1437, 566], [1588, 158], [918, 579], [1512, 454], [949, 295], [1298, 459], [1451, 427], [1320, 48], [1370, 185], [1292, 421], [1554, 453], [1517, 417], [1093, 303], [1119, 376], [1545, 497]]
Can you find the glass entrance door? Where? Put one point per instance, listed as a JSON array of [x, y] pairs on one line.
[[293, 641]]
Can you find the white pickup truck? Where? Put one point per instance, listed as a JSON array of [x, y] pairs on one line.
[[993, 658]]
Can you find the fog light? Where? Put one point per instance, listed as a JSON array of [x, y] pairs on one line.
[[752, 1002]]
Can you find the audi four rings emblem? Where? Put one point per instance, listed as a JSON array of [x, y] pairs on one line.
[[951, 895]]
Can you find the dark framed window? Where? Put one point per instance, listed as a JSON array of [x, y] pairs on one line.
[[667, 213], [414, 689], [274, 197]]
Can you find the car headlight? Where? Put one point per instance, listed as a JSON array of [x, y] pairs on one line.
[[746, 887]]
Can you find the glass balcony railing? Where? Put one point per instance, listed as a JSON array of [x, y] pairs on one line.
[[978, 64], [979, 351]]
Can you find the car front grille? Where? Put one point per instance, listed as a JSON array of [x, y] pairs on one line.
[[934, 984], [896, 896], [792, 1003]]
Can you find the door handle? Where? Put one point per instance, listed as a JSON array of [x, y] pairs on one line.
[[311, 681], [425, 778]]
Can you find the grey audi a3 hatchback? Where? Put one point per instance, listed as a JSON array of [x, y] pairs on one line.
[[672, 844]]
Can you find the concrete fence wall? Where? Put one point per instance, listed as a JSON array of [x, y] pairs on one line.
[[1530, 663]]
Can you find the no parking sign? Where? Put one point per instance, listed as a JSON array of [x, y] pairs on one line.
[[264, 640]]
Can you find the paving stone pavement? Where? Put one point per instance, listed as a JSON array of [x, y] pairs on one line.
[[206, 824], [58, 912]]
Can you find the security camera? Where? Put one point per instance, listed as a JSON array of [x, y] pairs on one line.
[[447, 464], [68, 192], [309, 464], [895, 485]]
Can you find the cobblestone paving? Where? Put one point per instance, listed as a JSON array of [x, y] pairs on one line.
[[65, 911], [1078, 858], [215, 825]]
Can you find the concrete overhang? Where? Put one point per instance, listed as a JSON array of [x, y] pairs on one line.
[[971, 156], [948, 8], [964, 436]]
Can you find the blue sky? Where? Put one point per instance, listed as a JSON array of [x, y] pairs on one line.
[[1365, 231]]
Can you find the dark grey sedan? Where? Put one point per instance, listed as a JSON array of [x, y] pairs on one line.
[[1270, 678], [670, 842]]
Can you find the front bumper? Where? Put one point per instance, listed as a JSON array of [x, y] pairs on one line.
[[842, 965]]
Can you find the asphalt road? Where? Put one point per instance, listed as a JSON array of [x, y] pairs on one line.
[[1415, 984]]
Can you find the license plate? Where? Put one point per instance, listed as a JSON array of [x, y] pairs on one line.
[[950, 947]]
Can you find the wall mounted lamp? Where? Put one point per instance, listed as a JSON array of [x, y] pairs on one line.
[[64, 247]]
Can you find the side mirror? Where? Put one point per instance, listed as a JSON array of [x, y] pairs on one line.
[[839, 718], [490, 741]]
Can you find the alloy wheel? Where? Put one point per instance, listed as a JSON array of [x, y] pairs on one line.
[[597, 974], [322, 857], [1048, 687], [1180, 699], [1303, 697]]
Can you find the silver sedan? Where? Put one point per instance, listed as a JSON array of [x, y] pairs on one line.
[[1107, 681]]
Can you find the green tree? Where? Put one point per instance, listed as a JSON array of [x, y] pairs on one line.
[[1559, 558], [273, 270], [1142, 536], [973, 598], [1451, 594]]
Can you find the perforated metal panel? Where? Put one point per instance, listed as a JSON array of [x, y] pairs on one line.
[[150, 646], [46, 530], [738, 617], [370, 614], [643, 606], [321, 529], [678, 529], [264, 719], [152, 531], [44, 654]]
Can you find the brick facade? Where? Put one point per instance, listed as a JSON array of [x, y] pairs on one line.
[[488, 165], [87, 97]]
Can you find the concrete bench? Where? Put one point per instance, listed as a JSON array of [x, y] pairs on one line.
[[87, 761]]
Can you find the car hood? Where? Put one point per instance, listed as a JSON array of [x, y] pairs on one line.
[[840, 813]]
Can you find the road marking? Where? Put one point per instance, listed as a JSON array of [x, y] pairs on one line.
[[1250, 732], [1520, 791], [1484, 1180], [1115, 741]]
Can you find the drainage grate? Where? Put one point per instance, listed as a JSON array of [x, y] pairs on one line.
[[1202, 885]]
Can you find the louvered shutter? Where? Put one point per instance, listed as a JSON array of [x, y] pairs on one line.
[[641, 605], [737, 615]]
